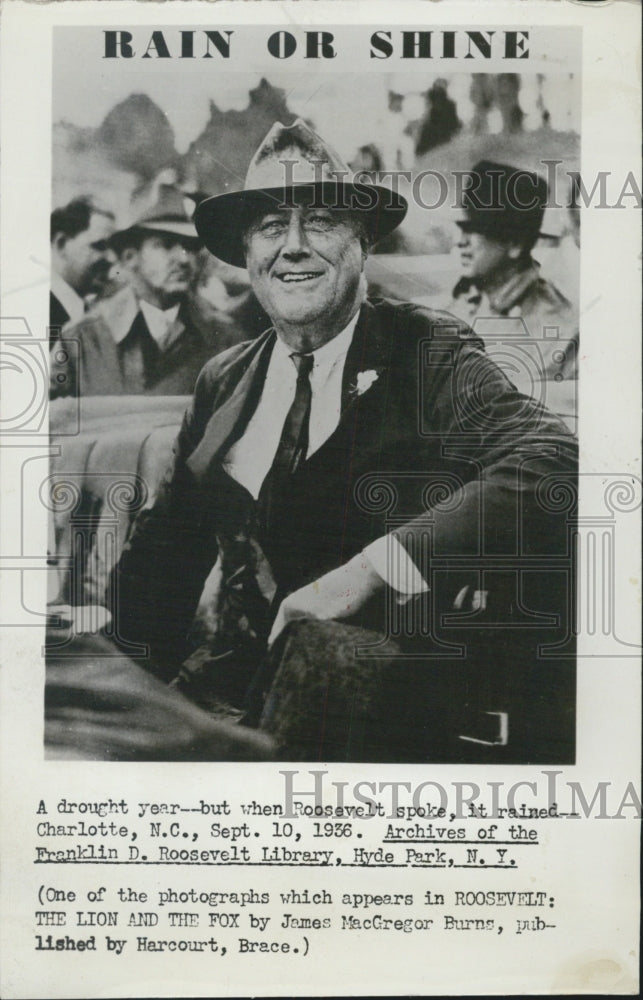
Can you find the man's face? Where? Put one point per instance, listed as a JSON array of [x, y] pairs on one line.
[[162, 268], [305, 266], [85, 258], [482, 256]]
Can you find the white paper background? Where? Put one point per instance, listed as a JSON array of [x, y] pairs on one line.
[[591, 864]]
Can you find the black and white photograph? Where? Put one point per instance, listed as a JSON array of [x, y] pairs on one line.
[[313, 387], [320, 570]]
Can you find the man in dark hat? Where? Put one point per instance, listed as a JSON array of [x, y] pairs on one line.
[[500, 221], [144, 339], [352, 475], [80, 233]]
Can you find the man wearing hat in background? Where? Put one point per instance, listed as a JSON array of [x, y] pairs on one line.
[[296, 448], [501, 218], [144, 339]]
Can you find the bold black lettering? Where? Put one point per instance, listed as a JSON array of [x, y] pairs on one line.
[[448, 44], [187, 45], [416, 44], [516, 44], [319, 44], [381, 42], [282, 44], [117, 43], [157, 46], [482, 44], [221, 44]]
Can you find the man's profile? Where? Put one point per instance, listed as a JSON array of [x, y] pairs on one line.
[[499, 223], [80, 259]]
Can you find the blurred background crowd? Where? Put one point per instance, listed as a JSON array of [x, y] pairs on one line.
[[125, 163]]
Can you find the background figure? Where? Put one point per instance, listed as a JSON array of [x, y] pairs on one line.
[[144, 339], [508, 101], [481, 95], [500, 278], [441, 121], [500, 91], [367, 162], [367, 165], [398, 152], [80, 260]]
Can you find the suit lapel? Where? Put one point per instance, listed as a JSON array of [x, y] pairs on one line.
[[237, 400], [362, 408], [368, 354], [242, 384]]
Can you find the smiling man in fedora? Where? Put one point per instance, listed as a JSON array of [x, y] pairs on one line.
[[339, 485], [143, 339]]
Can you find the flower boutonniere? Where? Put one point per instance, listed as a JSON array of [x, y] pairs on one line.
[[364, 381]]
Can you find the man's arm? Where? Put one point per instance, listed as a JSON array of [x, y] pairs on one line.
[[516, 453], [155, 587], [342, 593]]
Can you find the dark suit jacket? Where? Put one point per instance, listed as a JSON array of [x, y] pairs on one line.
[[440, 448], [58, 316]]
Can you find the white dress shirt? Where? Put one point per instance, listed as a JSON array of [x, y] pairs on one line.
[[121, 310], [159, 322], [250, 458]]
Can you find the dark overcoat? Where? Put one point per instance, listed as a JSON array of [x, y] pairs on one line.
[[434, 444]]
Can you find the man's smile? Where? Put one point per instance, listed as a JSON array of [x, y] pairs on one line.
[[305, 266], [298, 277]]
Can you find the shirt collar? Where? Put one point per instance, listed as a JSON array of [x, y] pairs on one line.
[[326, 356], [502, 299], [67, 297], [120, 311], [159, 321]]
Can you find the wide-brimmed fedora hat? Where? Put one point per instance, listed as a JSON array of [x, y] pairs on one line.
[[167, 216], [502, 201], [293, 166]]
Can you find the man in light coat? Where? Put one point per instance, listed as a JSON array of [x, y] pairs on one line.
[[145, 338]]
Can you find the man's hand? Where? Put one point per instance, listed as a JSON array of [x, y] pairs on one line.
[[336, 595]]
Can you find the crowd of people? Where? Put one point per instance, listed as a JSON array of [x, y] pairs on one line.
[[140, 309], [126, 313]]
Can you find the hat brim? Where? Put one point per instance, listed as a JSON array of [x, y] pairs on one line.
[[222, 220], [185, 230], [498, 228]]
